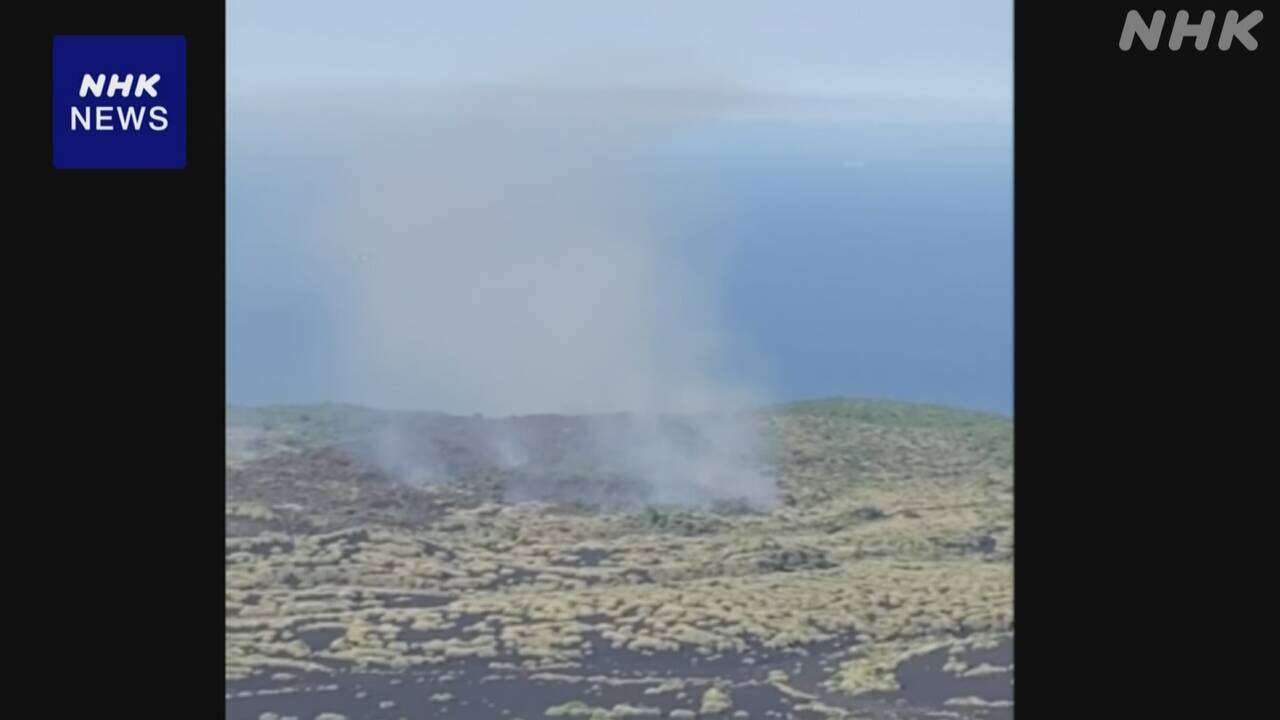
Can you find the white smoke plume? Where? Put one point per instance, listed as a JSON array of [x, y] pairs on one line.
[[497, 251]]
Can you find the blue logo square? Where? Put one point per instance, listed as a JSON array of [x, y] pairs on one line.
[[119, 101]]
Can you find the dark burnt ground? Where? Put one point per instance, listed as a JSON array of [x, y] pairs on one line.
[[334, 487], [413, 469], [497, 688]]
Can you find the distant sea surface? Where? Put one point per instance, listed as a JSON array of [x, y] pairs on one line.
[[873, 261]]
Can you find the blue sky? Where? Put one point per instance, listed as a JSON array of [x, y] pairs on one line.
[[824, 191]]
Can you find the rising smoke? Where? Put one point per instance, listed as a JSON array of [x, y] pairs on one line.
[[498, 251]]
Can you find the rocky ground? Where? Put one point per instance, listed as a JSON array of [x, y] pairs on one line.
[[533, 579]]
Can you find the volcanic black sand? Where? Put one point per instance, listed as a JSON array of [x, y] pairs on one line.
[[393, 565]]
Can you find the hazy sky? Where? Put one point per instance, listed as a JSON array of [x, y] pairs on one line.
[[960, 51], [561, 206]]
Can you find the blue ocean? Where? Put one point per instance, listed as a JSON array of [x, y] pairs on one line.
[[873, 260]]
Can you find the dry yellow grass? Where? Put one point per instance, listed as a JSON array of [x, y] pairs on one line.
[[894, 537]]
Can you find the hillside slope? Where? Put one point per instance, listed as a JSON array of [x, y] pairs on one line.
[[877, 581]]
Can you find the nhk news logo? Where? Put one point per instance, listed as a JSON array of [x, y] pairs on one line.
[[119, 101]]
